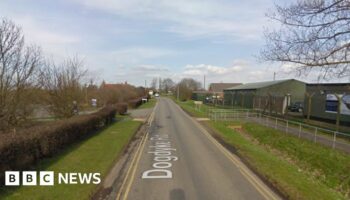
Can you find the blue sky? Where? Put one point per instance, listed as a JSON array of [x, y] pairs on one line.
[[137, 40]]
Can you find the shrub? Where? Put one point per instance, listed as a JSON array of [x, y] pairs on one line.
[[20, 150], [122, 108], [134, 103]]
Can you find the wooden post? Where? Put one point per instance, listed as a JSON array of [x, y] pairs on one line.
[[309, 104], [338, 112], [242, 100], [270, 103]]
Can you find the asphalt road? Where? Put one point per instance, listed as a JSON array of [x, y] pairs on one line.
[[179, 160]]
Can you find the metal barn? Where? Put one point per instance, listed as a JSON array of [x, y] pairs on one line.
[[325, 100], [270, 95]]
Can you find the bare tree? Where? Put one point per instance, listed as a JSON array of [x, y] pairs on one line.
[[18, 66], [63, 86], [154, 84], [186, 87], [167, 84], [314, 36]]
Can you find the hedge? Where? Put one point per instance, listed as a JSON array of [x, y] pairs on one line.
[[20, 150], [134, 103], [122, 108]]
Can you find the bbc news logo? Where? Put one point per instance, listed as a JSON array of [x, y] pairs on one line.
[[47, 178]]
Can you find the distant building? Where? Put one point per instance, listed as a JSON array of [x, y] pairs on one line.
[[274, 96], [217, 89], [201, 95], [214, 93], [324, 102]]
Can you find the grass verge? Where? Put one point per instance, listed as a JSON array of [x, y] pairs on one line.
[[331, 167], [150, 104], [189, 107], [299, 169], [96, 154]]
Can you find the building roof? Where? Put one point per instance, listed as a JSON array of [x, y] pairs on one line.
[[220, 87], [328, 84], [257, 85]]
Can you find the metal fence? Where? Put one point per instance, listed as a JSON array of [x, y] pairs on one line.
[[334, 139]]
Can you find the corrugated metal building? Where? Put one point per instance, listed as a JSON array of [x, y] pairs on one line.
[[217, 89], [201, 95], [324, 101], [270, 95]]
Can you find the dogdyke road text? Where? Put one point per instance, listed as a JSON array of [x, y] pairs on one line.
[[162, 151]]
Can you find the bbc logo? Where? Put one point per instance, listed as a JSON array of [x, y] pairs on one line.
[[29, 178]]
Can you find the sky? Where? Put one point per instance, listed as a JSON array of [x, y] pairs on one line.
[[138, 40]]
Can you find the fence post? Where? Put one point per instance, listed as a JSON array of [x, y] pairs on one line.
[[276, 123], [315, 134], [261, 117], [266, 121], [299, 129], [334, 139], [287, 126]]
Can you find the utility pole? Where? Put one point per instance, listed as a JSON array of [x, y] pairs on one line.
[[178, 91], [204, 83], [145, 87], [338, 112], [274, 76]]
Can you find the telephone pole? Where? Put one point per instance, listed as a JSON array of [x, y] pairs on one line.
[[178, 92], [204, 82]]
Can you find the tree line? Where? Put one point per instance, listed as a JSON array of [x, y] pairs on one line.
[[29, 81], [182, 90]]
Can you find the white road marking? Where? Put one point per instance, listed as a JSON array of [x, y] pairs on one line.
[[162, 151]]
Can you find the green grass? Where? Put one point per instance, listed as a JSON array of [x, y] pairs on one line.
[[299, 169], [289, 178], [96, 154], [150, 104], [329, 166], [190, 108]]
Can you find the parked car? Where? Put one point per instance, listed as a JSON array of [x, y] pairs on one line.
[[297, 107], [156, 95]]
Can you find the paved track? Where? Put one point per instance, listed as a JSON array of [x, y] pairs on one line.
[[187, 163]]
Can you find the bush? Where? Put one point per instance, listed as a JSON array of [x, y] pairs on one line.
[[22, 149], [134, 103], [122, 108]]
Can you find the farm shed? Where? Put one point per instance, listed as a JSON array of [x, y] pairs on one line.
[[270, 95], [324, 101], [200, 95], [217, 89]]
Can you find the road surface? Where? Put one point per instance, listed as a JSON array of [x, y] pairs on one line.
[[177, 159]]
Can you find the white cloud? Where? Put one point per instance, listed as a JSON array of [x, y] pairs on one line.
[[135, 54], [54, 42], [150, 68], [195, 18], [203, 69]]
